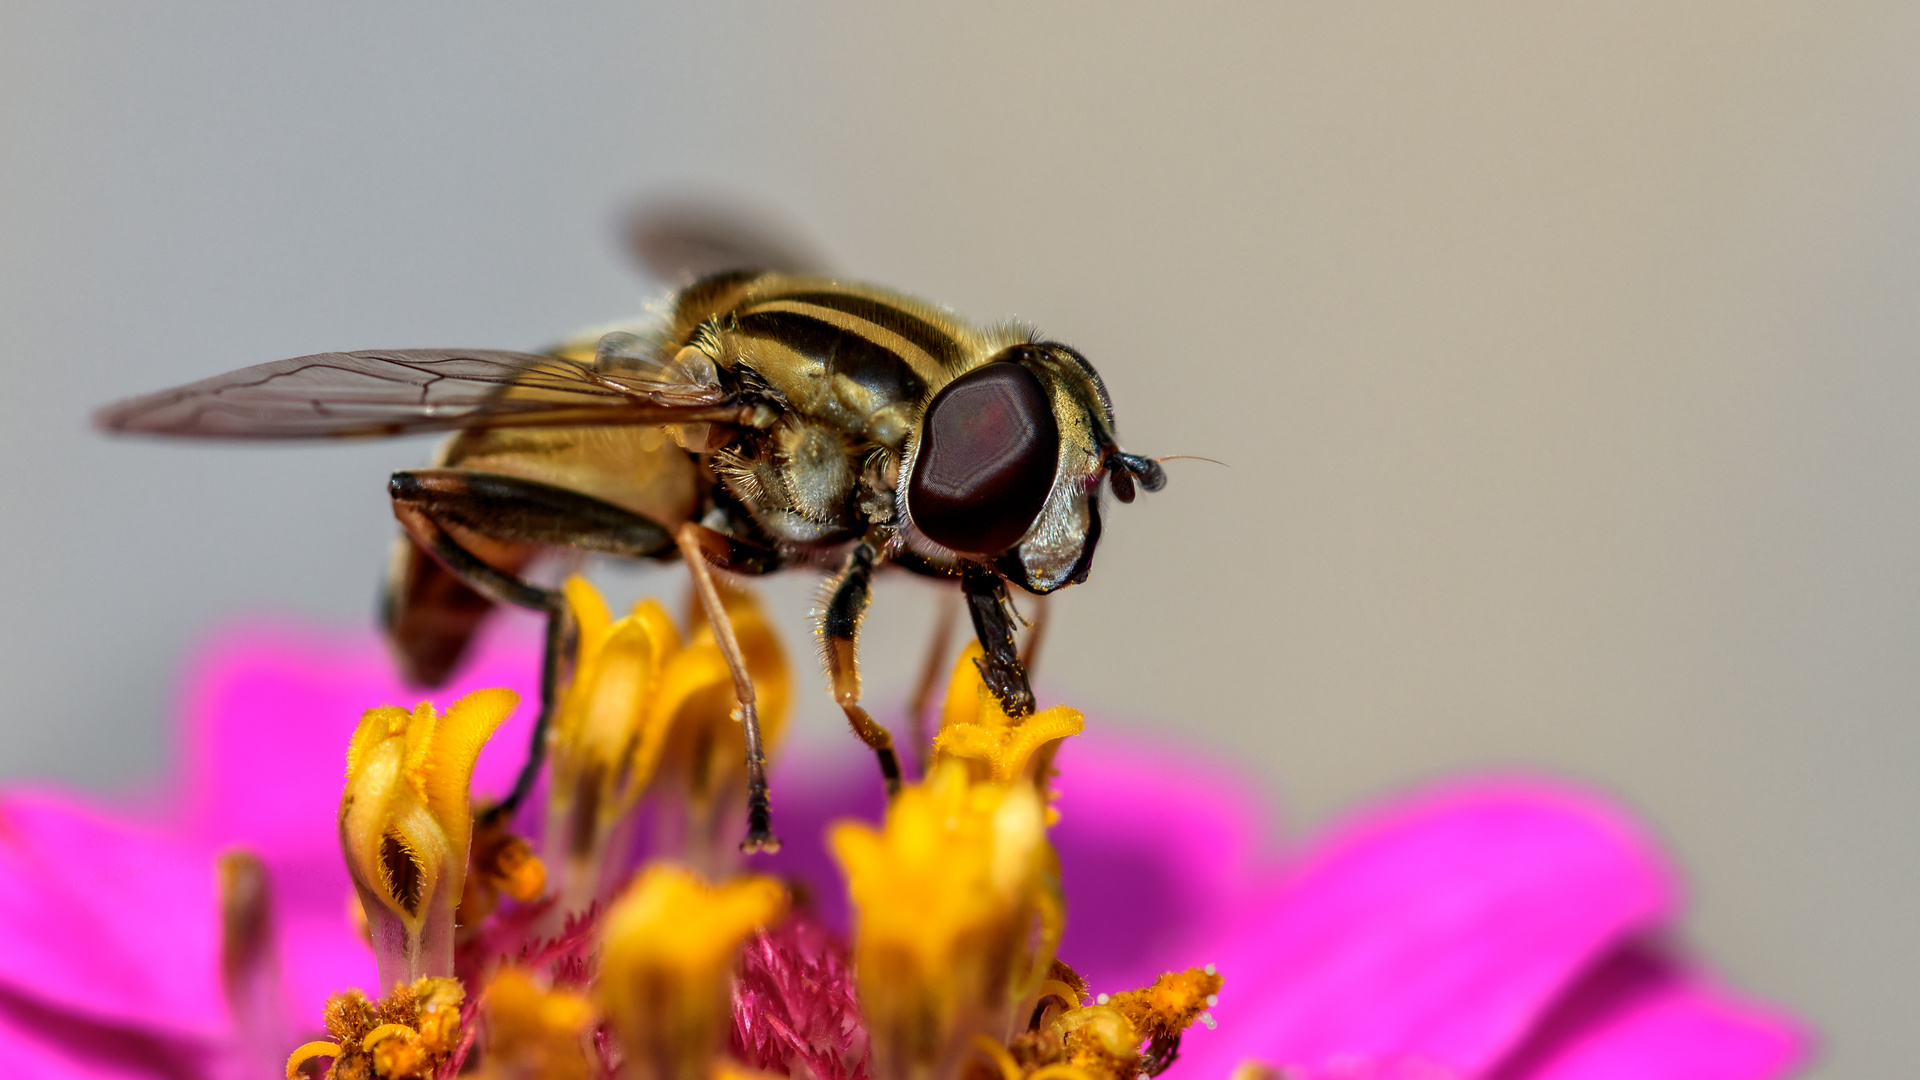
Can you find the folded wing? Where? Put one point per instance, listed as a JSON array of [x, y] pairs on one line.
[[406, 391]]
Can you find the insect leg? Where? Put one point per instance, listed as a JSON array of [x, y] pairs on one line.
[[937, 650], [738, 556], [504, 588], [839, 629], [696, 544], [986, 594], [512, 508], [429, 613], [428, 501]]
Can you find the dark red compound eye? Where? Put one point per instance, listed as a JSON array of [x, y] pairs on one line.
[[988, 447]]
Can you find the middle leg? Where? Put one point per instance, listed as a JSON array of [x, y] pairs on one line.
[[934, 666]]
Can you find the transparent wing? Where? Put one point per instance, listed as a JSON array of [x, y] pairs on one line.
[[404, 391]]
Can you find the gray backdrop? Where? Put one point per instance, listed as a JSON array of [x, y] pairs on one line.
[[1563, 359]]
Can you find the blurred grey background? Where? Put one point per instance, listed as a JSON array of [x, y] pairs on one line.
[[1563, 356]]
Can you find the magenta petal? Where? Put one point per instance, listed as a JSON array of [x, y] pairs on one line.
[[1640, 1016], [1153, 843], [272, 707], [106, 920], [45, 1044], [1437, 930]]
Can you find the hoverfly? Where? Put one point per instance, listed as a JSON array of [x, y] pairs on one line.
[[761, 419]]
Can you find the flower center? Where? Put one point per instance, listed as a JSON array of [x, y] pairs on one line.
[[677, 966]]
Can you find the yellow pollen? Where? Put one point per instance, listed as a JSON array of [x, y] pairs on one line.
[[409, 1035], [1121, 1035], [524, 876], [1171, 1004]]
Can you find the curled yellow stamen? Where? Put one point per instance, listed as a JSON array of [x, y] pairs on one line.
[[1002, 1060], [384, 1032], [1065, 992], [696, 747], [307, 1052], [598, 733]]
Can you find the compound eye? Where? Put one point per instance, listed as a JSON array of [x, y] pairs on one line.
[[988, 448]]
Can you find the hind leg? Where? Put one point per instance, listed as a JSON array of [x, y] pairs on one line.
[[698, 545], [430, 503]]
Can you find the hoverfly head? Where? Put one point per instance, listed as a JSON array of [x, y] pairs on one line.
[[1007, 462]]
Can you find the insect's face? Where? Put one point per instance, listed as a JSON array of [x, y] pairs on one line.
[[1007, 464]]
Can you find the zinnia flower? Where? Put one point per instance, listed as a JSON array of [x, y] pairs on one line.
[[991, 923]]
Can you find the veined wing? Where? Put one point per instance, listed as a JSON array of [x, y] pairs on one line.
[[404, 391]]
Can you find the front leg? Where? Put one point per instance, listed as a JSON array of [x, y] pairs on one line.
[[1005, 675], [839, 629]]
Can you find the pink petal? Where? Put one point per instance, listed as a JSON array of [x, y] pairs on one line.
[[1153, 844], [1639, 1016], [107, 920], [45, 1044], [1438, 929], [270, 708]]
